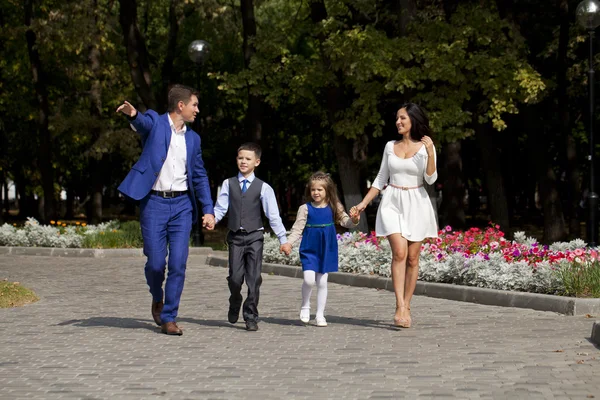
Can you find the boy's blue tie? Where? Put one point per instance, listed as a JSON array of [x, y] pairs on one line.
[[244, 187]]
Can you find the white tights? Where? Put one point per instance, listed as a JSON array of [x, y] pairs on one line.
[[307, 286]]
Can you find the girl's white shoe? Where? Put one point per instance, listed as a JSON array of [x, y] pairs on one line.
[[305, 315], [321, 321]]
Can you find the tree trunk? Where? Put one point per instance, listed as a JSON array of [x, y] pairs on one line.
[[348, 167], [555, 228], [137, 53], [453, 210], [572, 169], [253, 119], [7, 201], [27, 203], [3, 196], [70, 206], [349, 176], [45, 142], [450, 7], [496, 193], [96, 164], [408, 9], [168, 72]]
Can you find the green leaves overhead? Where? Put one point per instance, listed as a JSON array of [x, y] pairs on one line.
[[472, 65]]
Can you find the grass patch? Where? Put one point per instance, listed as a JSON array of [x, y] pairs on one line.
[[12, 294], [581, 280], [129, 235]]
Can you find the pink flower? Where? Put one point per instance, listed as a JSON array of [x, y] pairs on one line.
[[448, 228], [578, 252]]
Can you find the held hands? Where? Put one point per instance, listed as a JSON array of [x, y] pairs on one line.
[[285, 248], [127, 109], [356, 210], [428, 145], [208, 221]]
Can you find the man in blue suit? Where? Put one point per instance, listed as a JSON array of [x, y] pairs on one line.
[[167, 179]]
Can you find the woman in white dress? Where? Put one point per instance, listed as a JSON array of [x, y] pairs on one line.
[[405, 215]]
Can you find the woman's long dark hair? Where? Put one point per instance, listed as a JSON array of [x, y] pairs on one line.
[[419, 123]]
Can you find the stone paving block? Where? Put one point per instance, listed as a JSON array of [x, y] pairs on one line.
[[95, 314]]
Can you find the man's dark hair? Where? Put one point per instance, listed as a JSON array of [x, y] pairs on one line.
[[250, 146], [179, 93]]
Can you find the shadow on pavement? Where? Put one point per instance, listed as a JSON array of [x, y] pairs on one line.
[[133, 323], [332, 319], [111, 322], [212, 322]]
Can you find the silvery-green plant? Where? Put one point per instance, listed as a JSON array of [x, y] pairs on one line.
[[564, 246], [33, 234], [495, 273]]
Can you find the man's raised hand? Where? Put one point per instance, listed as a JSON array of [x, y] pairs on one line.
[[127, 109]]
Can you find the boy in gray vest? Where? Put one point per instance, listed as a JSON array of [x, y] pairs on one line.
[[244, 196]]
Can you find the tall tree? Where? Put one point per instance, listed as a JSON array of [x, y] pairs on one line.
[[97, 167], [255, 107], [451, 174], [137, 53], [344, 147], [44, 151], [573, 173]]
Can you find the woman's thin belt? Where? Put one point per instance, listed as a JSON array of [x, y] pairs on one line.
[[405, 187]]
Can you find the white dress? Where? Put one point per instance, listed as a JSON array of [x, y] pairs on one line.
[[406, 210]]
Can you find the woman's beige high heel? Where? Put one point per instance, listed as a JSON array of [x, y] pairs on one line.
[[401, 322], [408, 319]]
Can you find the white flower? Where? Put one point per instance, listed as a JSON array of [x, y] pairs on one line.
[[495, 273]]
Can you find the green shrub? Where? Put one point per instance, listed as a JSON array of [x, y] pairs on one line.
[[581, 279], [127, 235]]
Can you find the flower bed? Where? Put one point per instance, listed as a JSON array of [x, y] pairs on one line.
[[111, 234], [482, 258], [476, 257]]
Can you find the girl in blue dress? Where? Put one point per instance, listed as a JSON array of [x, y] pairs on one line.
[[315, 225]]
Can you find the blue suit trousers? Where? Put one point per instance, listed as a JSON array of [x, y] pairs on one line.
[[166, 226]]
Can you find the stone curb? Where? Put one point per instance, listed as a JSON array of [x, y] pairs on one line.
[[596, 333], [95, 253], [490, 297]]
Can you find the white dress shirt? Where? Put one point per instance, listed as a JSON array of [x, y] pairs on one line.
[[173, 174], [267, 198]]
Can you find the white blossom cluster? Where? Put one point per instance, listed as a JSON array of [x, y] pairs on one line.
[[33, 234], [495, 273]]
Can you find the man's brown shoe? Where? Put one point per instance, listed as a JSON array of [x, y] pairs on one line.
[[157, 307], [171, 328]]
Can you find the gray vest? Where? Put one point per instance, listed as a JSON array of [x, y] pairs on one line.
[[245, 209]]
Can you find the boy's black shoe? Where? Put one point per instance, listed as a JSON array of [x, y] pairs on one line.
[[233, 315], [251, 326]]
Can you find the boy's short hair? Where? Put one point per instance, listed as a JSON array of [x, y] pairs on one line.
[[251, 146], [179, 93]]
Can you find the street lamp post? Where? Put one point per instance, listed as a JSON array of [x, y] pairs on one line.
[[588, 15], [198, 52]]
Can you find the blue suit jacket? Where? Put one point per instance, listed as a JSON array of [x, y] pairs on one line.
[[156, 137]]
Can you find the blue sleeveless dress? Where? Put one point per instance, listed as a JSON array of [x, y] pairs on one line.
[[319, 248]]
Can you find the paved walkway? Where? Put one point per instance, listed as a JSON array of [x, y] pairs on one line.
[[91, 336]]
